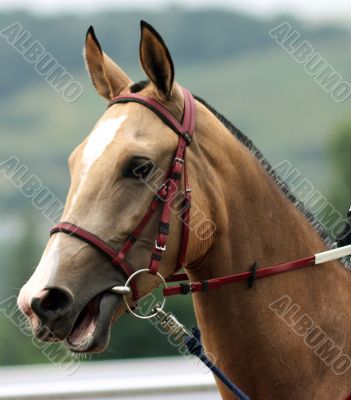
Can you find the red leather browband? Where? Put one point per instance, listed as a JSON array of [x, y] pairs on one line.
[[184, 129], [163, 198]]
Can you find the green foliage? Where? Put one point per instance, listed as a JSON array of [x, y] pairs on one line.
[[21, 254], [340, 151], [18, 259], [197, 36]]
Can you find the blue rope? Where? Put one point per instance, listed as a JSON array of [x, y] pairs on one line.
[[194, 346]]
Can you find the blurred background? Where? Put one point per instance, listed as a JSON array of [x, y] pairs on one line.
[[222, 52]]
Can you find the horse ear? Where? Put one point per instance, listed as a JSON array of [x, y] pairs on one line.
[[108, 79], [155, 59]]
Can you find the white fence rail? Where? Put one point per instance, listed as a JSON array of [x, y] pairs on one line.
[[146, 379]]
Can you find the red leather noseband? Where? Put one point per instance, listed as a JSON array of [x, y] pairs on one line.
[[163, 198]]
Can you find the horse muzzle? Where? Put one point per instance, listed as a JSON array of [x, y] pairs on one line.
[[54, 317]]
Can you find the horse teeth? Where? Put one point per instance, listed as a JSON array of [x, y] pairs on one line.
[[122, 290]]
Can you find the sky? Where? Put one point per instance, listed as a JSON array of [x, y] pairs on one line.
[[310, 9]]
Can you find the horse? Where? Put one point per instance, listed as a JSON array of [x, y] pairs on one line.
[[256, 335]]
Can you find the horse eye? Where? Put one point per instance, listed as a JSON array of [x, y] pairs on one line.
[[138, 168]]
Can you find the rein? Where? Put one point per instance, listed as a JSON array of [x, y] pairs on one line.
[[251, 276]]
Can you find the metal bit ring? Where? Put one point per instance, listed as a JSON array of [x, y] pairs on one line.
[[160, 306]]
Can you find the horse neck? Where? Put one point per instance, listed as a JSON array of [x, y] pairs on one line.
[[256, 222], [254, 219]]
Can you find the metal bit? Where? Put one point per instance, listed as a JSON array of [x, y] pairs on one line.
[[122, 290]]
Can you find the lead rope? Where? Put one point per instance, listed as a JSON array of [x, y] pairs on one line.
[[170, 324], [195, 347]]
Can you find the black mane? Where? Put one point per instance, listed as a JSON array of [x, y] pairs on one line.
[[137, 87], [280, 182]]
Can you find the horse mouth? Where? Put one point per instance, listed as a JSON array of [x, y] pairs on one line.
[[92, 327]]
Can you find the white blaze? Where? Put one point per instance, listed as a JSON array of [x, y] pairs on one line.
[[41, 276], [99, 139], [102, 135]]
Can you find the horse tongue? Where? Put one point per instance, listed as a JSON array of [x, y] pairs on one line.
[[92, 329], [86, 322], [108, 306]]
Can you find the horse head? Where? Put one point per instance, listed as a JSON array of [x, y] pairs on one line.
[[68, 297]]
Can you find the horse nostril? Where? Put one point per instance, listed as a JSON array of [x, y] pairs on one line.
[[51, 303]]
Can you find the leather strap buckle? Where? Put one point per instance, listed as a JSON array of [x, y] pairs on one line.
[[159, 247]]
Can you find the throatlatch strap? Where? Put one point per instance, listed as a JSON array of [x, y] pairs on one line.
[[185, 131]]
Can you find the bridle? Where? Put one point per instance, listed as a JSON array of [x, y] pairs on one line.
[[164, 197]]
